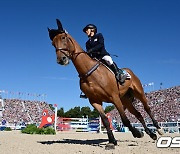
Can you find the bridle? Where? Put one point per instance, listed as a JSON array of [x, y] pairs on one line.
[[71, 53], [62, 50]]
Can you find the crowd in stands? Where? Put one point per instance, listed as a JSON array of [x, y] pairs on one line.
[[164, 104], [17, 111]]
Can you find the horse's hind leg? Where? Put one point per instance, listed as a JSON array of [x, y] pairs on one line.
[[138, 115], [99, 108], [139, 94], [125, 120]]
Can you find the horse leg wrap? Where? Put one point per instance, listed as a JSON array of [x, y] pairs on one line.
[[111, 137]]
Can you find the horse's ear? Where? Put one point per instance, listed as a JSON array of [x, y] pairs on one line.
[[59, 25], [48, 29]]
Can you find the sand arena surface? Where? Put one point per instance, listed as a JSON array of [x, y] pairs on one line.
[[14, 142]]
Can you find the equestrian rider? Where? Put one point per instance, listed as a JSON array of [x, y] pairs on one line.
[[96, 49]]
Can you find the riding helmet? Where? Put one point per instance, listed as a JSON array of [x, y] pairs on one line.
[[90, 26]]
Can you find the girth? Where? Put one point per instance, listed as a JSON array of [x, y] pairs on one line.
[[81, 76]]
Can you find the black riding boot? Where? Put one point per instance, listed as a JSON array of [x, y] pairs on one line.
[[120, 76]]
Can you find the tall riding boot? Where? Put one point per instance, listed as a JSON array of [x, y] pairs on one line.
[[120, 76]]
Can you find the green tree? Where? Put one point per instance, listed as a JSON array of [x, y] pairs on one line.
[[60, 112], [74, 113], [109, 108], [69, 113], [94, 114], [78, 112], [85, 111]]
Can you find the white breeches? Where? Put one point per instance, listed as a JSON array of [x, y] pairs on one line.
[[108, 59]]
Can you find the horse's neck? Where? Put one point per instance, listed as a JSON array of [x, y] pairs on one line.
[[82, 62]]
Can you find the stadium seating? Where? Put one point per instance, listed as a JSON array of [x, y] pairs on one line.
[[164, 104], [18, 111]]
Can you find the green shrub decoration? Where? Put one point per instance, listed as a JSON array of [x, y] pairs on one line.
[[32, 129], [8, 129]]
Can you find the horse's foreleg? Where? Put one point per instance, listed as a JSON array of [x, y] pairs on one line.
[[125, 120], [99, 108]]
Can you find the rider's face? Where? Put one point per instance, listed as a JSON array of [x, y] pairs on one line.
[[89, 32]]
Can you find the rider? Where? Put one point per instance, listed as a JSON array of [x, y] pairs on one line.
[[96, 49]]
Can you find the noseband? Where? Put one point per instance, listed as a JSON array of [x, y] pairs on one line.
[[62, 50]]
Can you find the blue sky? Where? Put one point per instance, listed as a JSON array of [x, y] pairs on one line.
[[144, 33]]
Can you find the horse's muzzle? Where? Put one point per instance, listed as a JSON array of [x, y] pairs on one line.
[[63, 60]]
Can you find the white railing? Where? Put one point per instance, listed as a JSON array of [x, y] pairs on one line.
[[168, 127]]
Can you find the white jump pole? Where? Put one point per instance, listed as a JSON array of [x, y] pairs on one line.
[[100, 125], [55, 120]]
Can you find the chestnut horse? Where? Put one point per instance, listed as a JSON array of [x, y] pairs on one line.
[[100, 85]]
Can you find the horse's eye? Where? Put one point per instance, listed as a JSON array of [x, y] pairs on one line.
[[63, 37]]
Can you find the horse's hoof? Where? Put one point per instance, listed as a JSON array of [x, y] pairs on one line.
[[141, 134], [109, 146], [160, 131], [138, 134], [153, 136], [115, 142]]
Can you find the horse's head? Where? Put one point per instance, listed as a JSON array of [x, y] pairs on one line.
[[62, 43]]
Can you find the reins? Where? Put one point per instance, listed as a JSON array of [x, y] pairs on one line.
[[70, 56]]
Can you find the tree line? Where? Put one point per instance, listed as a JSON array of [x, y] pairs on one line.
[[79, 112]]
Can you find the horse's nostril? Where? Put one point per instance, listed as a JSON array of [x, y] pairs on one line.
[[64, 58]]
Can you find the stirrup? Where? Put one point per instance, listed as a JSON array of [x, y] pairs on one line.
[[83, 96], [122, 78]]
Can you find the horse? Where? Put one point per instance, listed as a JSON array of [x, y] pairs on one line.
[[100, 85]]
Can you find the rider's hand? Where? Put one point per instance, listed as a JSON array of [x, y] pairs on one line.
[[89, 51]]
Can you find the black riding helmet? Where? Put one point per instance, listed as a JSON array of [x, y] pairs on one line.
[[90, 26]]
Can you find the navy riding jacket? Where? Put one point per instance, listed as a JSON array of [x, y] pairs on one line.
[[95, 46]]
